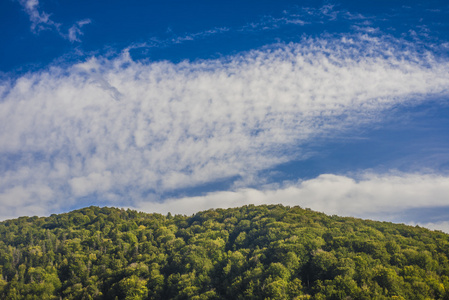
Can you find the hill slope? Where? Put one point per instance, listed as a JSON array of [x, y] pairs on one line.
[[254, 252]]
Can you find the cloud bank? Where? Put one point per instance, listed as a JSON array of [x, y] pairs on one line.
[[378, 197], [126, 131], [370, 196]]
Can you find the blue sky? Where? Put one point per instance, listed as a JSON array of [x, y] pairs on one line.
[[180, 106]]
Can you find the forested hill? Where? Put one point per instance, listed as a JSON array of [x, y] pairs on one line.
[[252, 252]]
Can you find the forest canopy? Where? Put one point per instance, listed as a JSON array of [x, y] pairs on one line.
[[251, 252]]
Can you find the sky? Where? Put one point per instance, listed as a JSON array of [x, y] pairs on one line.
[[182, 106]]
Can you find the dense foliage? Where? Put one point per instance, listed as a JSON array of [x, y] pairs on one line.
[[252, 252]]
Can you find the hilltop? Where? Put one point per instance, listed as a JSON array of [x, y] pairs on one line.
[[251, 252]]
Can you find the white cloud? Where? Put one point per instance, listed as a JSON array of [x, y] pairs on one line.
[[94, 182], [75, 30], [40, 20], [108, 127], [442, 226], [372, 196], [28, 200], [299, 16]]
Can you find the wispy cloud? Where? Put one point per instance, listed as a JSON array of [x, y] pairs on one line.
[[297, 16], [75, 31], [41, 20], [122, 129], [304, 16]]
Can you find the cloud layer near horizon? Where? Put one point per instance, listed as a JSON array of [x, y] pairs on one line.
[[117, 129], [372, 196]]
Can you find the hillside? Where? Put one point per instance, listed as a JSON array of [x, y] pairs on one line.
[[252, 252]]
